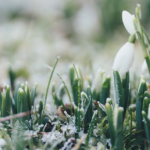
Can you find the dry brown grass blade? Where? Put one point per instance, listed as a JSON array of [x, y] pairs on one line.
[[16, 116], [76, 147]]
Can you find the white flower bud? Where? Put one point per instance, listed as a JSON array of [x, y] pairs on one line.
[[124, 58], [97, 80], [127, 19], [2, 142], [144, 67], [145, 71]]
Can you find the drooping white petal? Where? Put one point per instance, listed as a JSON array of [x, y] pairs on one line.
[[127, 19], [124, 58]]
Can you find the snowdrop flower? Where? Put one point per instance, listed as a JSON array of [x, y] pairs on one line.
[[127, 19], [124, 57], [2, 142]]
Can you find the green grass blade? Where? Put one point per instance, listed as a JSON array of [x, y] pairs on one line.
[[28, 96], [48, 86], [65, 88]]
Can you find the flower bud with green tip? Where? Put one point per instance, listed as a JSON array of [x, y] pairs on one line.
[[6, 102], [22, 105], [84, 99], [109, 100], [22, 86], [61, 90], [80, 76], [96, 85]]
